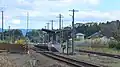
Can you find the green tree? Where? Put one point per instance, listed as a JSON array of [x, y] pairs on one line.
[[12, 34], [88, 29], [111, 29], [35, 36]]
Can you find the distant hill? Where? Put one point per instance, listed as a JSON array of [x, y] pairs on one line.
[[23, 30]]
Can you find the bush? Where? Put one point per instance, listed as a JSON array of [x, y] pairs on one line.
[[98, 43], [118, 45], [20, 41], [114, 44], [3, 41]]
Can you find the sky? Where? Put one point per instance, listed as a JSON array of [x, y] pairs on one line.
[[42, 11]]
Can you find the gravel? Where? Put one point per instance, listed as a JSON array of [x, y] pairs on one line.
[[96, 59], [28, 60], [47, 62], [6, 62]]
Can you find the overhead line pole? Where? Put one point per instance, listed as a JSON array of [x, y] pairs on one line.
[[9, 33], [48, 33], [52, 24], [45, 27], [73, 29], [52, 29], [48, 25], [62, 24], [27, 20], [60, 19], [2, 36], [62, 29]]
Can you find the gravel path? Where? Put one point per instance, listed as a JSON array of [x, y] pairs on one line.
[[5, 61], [28, 60]]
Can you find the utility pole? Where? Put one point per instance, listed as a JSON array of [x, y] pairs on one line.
[[2, 36], [9, 33], [48, 33], [62, 24], [45, 27], [62, 29], [73, 29], [60, 19], [48, 25], [52, 29], [52, 24], [27, 20]]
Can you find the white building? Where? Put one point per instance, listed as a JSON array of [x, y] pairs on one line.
[[80, 36]]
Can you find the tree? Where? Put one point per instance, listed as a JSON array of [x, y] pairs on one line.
[[12, 35], [35, 35], [88, 29], [111, 29]]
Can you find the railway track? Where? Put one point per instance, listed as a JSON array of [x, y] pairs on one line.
[[69, 61], [100, 53]]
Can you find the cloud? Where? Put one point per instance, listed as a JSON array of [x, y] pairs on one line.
[[16, 21], [41, 11], [93, 2]]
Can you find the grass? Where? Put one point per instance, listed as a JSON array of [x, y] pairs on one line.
[[3, 41], [105, 50], [101, 60]]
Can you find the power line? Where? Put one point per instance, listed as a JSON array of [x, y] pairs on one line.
[[73, 29]]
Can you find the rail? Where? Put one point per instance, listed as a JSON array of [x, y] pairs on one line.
[[67, 60], [100, 53]]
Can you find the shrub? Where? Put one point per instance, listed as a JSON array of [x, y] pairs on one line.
[[20, 41], [3, 41], [112, 44], [98, 43], [117, 45]]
